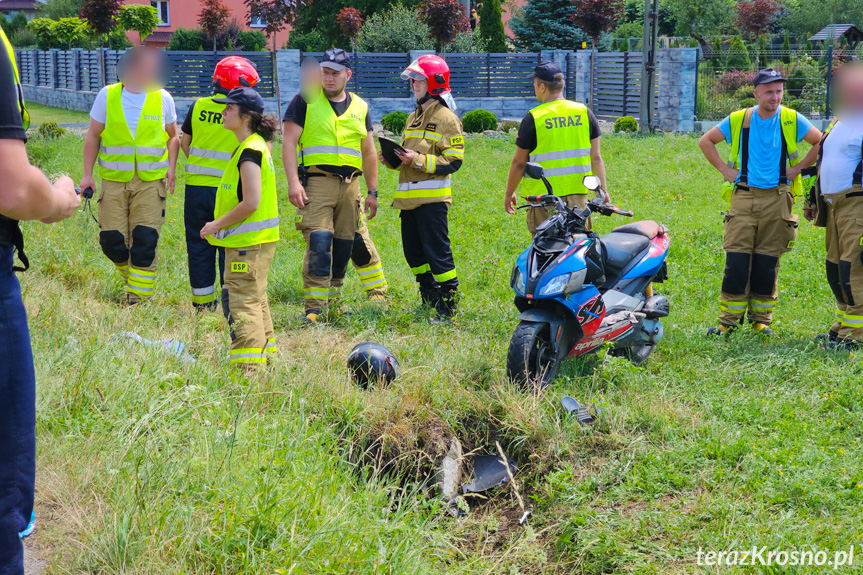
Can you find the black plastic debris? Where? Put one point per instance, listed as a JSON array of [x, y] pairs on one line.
[[582, 415], [488, 471]]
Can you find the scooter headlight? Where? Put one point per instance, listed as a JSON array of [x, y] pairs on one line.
[[517, 281], [555, 286], [576, 281]]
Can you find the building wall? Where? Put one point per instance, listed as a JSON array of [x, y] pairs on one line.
[[184, 14]]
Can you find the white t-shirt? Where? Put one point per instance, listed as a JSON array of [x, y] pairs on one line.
[[133, 104], [842, 153]]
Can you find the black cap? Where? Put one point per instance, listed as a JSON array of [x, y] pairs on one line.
[[545, 71], [336, 59], [245, 97], [767, 76]]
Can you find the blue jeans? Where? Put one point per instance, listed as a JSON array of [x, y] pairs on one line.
[[17, 419]]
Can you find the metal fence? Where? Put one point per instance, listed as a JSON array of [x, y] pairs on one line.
[[84, 70], [725, 80]]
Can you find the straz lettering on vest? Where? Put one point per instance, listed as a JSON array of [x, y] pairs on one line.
[[153, 118], [562, 148], [562, 121], [210, 116]]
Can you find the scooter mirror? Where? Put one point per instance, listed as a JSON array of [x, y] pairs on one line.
[[533, 171], [590, 182]]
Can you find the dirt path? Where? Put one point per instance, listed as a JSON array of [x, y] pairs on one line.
[[32, 564]]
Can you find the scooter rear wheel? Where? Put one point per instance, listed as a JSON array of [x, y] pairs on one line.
[[532, 361]]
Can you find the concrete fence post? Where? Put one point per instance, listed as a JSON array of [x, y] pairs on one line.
[[76, 69], [677, 81], [583, 80], [288, 75]]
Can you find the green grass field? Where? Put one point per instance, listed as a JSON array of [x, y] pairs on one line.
[[151, 465], [40, 114]]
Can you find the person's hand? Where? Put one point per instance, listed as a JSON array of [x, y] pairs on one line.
[[66, 198], [88, 182], [730, 174], [209, 229], [606, 197], [509, 203], [792, 172], [371, 206], [406, 157], [809, 214], [297, 195], [382, 160], [170, 178]]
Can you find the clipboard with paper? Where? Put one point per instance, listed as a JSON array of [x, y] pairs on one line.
[[388, 148]]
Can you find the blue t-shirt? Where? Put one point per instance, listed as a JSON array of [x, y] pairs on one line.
[[765, 146]]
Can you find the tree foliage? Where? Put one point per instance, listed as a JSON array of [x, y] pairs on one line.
[[545, 25], [101, 15], [316, 21], [491, 26], [60, 33], [138, 18], [396, 29], [445, 19], [702, 18], [213, 18], [56, 9], [596, 16], [276, 13], [755, 17], [350, 22]]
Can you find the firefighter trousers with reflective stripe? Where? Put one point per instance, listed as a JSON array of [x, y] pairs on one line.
[[426, 244], [844, 266], [246, 305], [329, 223], [759, 228], [130, 218], [198, 208], [17, 419], [536, 216], [367, 262]]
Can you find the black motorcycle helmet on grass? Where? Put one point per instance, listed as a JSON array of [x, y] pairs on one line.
[[371, 363]]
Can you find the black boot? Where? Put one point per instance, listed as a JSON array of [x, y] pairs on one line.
[[446, 305], [429, 296]]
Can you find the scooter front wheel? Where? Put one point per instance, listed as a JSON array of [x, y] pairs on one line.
[[532, 361]]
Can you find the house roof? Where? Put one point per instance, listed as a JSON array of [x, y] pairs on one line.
[[836, 31], [19, 5], [159, 37]]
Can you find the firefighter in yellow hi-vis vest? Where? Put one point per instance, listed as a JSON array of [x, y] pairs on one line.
[[327, 146], [836, 203], [133, 133], [247, 226], [563, 137], [763, 178], [434, 150], [208, 147]]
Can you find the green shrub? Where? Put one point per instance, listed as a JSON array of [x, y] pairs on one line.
[[477, 121], [798, 79], [396, 29], [786, 49], [50, 131], [507, 125], [743, 92], [747, 103], [251, 41], [186, 40], [738, 56], [311, 41], [466, 43], [117, 40], [626, 124], [23, 38], [394, 122]]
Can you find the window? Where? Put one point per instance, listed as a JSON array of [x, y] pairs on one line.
[[258, 22], [162, 7]]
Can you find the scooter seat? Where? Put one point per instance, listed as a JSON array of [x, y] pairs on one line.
[[646, 228], [618, 248]]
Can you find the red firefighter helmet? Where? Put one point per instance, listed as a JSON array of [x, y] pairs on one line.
[[234, 72], [432, 68]]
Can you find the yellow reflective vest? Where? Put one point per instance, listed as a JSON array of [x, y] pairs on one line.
[[263, 225], [25, 116], [333, 140], [562, 148], [740, 120], [121, 155], [212, 145]]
